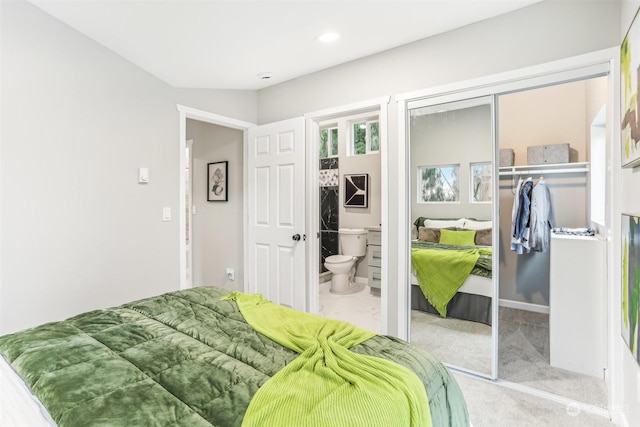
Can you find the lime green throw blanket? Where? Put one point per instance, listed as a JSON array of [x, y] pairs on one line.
[[327, 384], [440, 273]]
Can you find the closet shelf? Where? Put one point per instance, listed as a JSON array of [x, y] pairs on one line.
[[578, 167]]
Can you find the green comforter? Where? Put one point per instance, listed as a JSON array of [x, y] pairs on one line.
[[328, 385], [483, 265], [184, 358], [442, 269]]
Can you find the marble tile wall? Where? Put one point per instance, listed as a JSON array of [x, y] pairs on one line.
[[329, 198]]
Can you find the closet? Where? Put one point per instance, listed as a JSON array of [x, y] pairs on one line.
[[552, 303], [543, 304]]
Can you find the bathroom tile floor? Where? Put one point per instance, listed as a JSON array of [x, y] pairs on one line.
[[360, 308]]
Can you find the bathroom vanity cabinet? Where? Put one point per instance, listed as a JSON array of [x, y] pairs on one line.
[[374, 259]]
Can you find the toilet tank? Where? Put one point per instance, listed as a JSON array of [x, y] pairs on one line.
[[353, 241]]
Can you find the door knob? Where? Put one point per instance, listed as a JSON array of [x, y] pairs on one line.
[[296, 237]]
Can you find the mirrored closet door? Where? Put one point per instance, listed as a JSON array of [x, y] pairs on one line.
[[451, 150]]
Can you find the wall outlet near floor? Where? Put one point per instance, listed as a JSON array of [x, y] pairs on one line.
[[230, 273]]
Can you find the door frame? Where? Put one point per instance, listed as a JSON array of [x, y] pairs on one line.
[[313, 196], [185, 113], [189, 216]]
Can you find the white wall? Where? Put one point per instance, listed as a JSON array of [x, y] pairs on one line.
[[625, 187], [78, 231], [543, 32], [217, 226], [457, 137]]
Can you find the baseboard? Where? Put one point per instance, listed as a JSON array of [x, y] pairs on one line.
[[537, 308], [326, 277], [361, 280]]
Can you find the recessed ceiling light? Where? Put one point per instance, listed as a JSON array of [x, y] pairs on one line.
[[329, 37]]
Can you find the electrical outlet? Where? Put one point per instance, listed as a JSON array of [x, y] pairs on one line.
[[230, 273]]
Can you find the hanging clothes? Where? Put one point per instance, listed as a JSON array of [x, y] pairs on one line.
[[520, 217], [514, 214], [541, 220]]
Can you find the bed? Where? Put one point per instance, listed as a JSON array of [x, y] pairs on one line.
[[182, 358], [466, 295]]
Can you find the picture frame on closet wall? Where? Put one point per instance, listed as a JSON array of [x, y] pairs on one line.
[[630, 108]]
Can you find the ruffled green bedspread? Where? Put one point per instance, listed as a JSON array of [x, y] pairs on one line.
[[184, 358]]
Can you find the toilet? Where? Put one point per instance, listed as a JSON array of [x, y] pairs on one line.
[[353, 246]]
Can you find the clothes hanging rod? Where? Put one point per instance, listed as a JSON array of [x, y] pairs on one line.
[[581, 167]]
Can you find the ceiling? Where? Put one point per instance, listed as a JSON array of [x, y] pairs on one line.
[[224, 44]]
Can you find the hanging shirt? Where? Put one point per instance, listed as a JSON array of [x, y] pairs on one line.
[[514, 214], [520, 236], [541, 217]]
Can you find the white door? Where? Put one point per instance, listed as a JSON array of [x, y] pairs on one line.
[[276, 207]]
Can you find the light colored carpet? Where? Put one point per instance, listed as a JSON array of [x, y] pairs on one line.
[[492, 405], [524, 359], [453, 341], [523, 352]]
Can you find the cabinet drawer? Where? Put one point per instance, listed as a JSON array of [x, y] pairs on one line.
[[375, 256], [374, 238], [375, 277]]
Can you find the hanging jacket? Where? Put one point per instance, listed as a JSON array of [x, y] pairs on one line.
[[520, 236], [542, 220]]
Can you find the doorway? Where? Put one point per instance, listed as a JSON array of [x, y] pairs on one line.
[[314, 120], [200, 272], [350, 199]]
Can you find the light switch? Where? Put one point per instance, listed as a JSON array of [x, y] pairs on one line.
[[166, 214], [143, 175]]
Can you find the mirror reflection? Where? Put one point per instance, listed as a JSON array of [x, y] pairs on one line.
[[451, 149]]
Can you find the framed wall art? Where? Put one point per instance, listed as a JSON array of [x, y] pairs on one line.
[[356, 190], [631, 282], [217, 181], [630, 108]]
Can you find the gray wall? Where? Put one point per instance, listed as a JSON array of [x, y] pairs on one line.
[[78, 231], [508, 42], [455, 137], [217, 228]]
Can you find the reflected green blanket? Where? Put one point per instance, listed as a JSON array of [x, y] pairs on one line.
[[328, 385], [483, 266], [183, 358], [440, 273]]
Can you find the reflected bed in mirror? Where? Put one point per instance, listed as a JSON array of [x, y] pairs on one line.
[[452, 269], [451, 291], [452, 288]]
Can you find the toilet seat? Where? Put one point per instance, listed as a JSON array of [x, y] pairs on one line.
[[335, 259]]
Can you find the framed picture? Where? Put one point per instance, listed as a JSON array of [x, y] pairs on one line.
[[631, 282], [217, 182], [356, 190], [630, 108]]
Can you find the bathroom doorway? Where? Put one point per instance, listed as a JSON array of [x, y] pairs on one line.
[[350, 197]]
